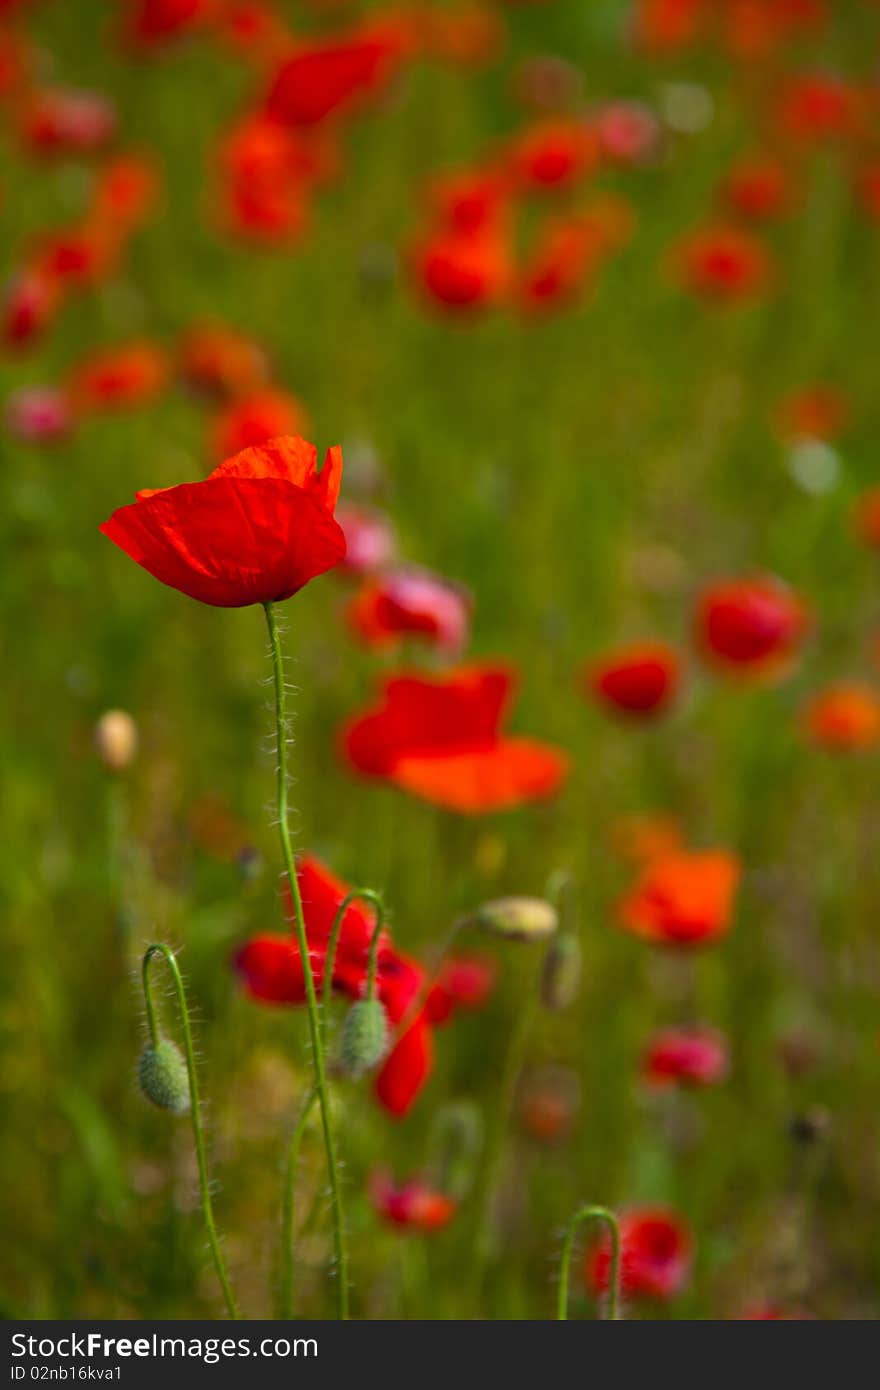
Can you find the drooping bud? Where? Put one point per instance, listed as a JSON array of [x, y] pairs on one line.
[[561, 977], [116, 739], [364, 1037], [163, 1076], [517, 919]]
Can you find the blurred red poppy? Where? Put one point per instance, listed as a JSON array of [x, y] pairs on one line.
[[688, 1056], [814, 412], [149, 23], [59, 120], [866, 517], [656, 1255], [410, 602], [751, 626], [465, 982], [554, 154], [464, 271], [254, 419], [407, 1068], [414, 1205], [819, 106], [331, 74], [30, 302], [219, 361], [441, 740], [724, 264], [758, 189], [255, 531], [639, 680], [683, 899], [845, 717], [369, 539], [119, 378]]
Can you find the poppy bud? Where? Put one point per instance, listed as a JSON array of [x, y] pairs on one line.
[[116, 739], [561, 976], [518, 919], [163, 1076], [364, 1037]]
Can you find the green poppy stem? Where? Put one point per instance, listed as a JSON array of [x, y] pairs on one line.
[[315, 1031], [366, 895], [194, 1104], [610, 1220], [285, 1289]]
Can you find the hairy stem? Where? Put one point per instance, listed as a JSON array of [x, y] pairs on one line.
[[285, 1289], [591, 1214]]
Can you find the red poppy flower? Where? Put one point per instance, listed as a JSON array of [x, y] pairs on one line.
[[414, 1204], [689, 1056], [38, 414], [63, 121], [464, 271], [867, 517], [369, 539], [638, 680], [406, 1068], [569, 250], [815, 412], [656, 1254], [254, 419], [127, 191], [219, 361], [468, 36], [554, 154], [758, 189], [465, 982], [119, 379], [80, 256], [441, 740], [153, 22], [252, 28], [816, 106], [30, 303], [724, 264], [255, 531], [845, 717], [753, 626], [666, 25], [410, 602], [332, 74], [683, 899]]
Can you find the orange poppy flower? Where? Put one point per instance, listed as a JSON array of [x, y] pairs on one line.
[[683, 899], [844, 717], [119, 378], [255, 418]]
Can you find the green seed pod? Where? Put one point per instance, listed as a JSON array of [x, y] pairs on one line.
[[364, 1037], [163, 1076], [517, 919], [561, 977]]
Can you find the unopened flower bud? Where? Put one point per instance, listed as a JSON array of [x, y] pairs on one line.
[[518, 919], [116, 739], [163, 1076], [561, 978], [364, 1037]]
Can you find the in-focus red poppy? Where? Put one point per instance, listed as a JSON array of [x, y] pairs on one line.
[[330, 75], [866, 517], [218, 361], [554, 154], [724, 264], [758, 189], [151, 23], [464, 271], [683, 899], [639, 680], [59, 120], [254, 419], [818, 106], [255, 531], [440, 739], [752, 626], [820, 411], [414, 1205], [686, 1057], [464, 982], [845, 718], [411, 602], [119, 378], [369, 539], [656, 1255]]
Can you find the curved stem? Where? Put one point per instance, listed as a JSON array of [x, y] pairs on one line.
[[285, 1291], [369, 896], [315, 1032], [591, 1214], [170, 960], [561, 891]]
